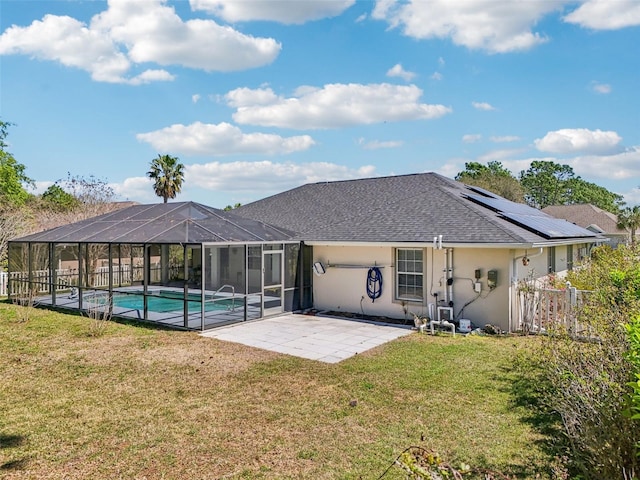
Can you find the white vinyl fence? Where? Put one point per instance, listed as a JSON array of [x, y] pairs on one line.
[[66, 278], [4, 282], [542, 308]]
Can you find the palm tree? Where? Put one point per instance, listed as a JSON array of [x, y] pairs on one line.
[[629, 218], [168, 175]]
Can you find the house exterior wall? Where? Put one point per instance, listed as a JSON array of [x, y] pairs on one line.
[[490, 305], [343, 287]]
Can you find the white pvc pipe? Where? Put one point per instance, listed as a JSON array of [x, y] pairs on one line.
[[450, 276]]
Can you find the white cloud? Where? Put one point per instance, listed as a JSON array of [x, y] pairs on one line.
[[149, 76], [153, 32], [500, 155], [247, 97], [483, 106], [195, 98], [221, 139], [268, 177], [281, 11], [599, 169], [504, 139], [618, 166], [377, 144], [606, 14], [333, 106], [579, 140], [471, 138], [139, 189], [132, 32], [632, 197], [451, 168], [69, 42], [361, 18], [602, 88], [39, 187], [496, 27], [436, 76], [398, 71]]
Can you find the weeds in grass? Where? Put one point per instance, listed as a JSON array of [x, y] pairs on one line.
[[26, 300], [423, 464], [99, 313]]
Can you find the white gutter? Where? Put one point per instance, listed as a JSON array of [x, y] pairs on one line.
[[521, 246]]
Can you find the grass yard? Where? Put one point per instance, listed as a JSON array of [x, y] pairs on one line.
[[143, 403]]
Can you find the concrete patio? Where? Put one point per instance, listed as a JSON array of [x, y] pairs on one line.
[[325, 339]]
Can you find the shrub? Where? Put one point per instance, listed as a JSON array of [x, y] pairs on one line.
[[588, 382], [633, 355]]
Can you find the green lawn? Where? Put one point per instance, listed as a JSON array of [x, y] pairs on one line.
[[144, 403]]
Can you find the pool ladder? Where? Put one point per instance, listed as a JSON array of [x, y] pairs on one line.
[[233, 297]]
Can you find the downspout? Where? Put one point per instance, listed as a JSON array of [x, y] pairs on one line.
[[514, 282], [445, 276], [450, 276]]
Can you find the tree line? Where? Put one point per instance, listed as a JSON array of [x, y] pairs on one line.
[[547, 183], [543, 184]]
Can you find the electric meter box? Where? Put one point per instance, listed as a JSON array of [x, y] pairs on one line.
[[492, 279]]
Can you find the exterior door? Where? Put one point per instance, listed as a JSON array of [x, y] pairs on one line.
[[272, 291]]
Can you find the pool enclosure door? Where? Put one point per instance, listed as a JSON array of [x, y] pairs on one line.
[[272, 291]]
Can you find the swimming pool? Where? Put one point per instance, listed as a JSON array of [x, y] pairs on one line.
[[170, 301]]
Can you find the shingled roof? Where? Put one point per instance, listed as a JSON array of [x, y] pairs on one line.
[[180, 222], [405, 208], [587, 215]]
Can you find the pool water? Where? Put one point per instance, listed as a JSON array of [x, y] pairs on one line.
[[172, 302]]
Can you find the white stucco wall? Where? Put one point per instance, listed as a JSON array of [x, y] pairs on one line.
[[344, 289], [343, 286], [491, 305]]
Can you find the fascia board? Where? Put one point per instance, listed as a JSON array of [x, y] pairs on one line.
[[452, 244]]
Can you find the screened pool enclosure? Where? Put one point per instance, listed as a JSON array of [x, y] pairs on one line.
[[184, 265]]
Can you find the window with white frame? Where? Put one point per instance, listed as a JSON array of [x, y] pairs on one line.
[[409, 274]]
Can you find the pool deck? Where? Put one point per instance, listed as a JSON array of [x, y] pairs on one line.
[[321, 338], [175, 319]]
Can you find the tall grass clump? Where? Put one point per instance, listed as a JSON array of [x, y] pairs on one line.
[[586, 381], [99, 312], [26, 300]]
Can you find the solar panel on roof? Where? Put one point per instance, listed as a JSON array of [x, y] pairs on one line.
[[548, 226], [481, 191], [531, 218], [503, 205]]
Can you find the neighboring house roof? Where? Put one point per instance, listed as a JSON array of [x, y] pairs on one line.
[[587, 216], [180, 222], [409, 208]]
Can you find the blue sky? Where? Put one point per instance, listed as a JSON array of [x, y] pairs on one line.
[[258, 96]]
